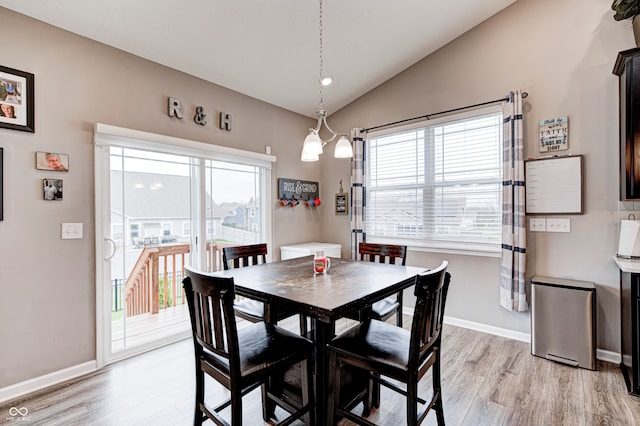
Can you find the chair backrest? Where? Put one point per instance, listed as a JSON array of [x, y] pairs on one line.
[[382, 252], [213, 321], [431, 295], [239, 256]]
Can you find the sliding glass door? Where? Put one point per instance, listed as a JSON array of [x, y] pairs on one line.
[[150, 223], [157, 210]]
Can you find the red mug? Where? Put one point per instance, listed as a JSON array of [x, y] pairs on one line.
[[321, 263]]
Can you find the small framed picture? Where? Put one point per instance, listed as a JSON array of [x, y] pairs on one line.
[[16, 100], [52, 161], [342, 203], [52, 189]]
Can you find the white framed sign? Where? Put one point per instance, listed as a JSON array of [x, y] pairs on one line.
[[554, 134]]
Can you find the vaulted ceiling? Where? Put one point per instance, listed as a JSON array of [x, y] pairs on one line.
[[270, 49]]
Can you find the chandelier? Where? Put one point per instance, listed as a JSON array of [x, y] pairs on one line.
[[313, 146]]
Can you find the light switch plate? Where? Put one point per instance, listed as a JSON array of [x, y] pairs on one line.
[[558, 225], [71, 231], [537, 225]]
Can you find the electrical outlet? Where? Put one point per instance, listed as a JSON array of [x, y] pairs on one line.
[[558, 225], [537, 225]]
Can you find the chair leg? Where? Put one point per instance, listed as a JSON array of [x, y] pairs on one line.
[[375, 392], [439, 411], [412, 404], [399, 312], [437, 389], [236, 407], [198, 415], [268, 406], [399, 317], [368, 401], [303, 325]]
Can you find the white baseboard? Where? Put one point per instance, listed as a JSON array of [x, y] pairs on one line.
[[489, 329], [601, 354], [37, 383], [608, 356]]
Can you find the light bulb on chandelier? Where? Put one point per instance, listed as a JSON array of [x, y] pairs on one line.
[[313, 145]]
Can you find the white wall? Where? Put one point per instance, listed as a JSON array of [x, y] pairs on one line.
[[562, 53]]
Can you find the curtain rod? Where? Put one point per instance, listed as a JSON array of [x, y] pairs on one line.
[[428, 116]]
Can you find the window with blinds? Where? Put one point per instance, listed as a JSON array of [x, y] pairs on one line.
[[437, 183]]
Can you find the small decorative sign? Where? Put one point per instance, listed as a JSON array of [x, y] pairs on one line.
[[554, 134], [292, 191], [342, 203]]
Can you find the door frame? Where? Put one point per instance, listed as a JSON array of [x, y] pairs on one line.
[[105, 136]]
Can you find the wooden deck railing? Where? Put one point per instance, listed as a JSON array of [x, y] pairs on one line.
[[142, 288]]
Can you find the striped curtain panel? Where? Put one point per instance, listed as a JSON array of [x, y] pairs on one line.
[[358, 191], [513, 296]]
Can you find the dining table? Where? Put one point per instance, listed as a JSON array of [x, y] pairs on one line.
[[348, 286]]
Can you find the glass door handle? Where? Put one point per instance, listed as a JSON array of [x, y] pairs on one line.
[[113, 250]]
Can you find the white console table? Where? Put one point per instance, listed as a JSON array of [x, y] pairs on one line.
[[306, 249]]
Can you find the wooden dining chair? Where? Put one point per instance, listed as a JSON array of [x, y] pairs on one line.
[[239, 256], [252, 310], [385, 253], [387, 351], [241, 360]]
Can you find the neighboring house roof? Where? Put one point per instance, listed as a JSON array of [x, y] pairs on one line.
[[224, 210], [399, 216]]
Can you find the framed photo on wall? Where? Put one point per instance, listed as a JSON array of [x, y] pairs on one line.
[[52, 161], [342, 203], [52, 189], [16, 100]]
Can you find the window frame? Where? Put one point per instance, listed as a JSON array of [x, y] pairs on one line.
[[421, 243]]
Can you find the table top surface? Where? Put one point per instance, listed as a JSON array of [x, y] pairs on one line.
[[348, 285]]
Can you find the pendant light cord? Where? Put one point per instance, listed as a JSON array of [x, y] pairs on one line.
[[321, 61]]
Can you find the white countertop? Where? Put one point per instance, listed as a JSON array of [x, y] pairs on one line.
[[628, 265]]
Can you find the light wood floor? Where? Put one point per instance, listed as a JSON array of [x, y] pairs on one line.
[[487, 380]]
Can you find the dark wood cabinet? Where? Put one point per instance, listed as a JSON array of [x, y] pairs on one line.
[[627, 68], [629, 325]]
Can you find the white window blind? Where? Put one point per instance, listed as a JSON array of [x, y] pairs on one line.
[[437, 182]]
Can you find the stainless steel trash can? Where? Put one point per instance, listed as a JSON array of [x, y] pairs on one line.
[[563, 323]]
